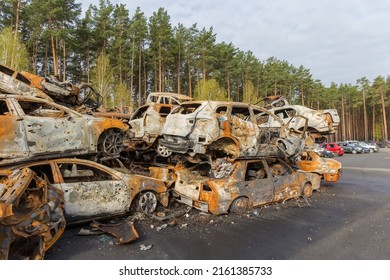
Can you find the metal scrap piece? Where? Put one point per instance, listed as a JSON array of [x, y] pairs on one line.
[[125, 231]]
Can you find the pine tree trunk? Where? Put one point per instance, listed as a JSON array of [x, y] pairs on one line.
[[53, 48], [178, 70], [383, 115], [365, 117]]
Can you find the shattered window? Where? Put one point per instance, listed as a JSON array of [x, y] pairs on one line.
[[278, 168], [255, 171], [38, 109], [140, 113], [283, 114], [241, 112], [3, 108], [164, 111], [186, 109], [74, 173], [174, 101], [153, 98], [42, 170], [262, 118], [221, 110]]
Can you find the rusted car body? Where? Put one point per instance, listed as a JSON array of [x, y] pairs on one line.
[[227, 129], [320, 122], [14, 82], [33, 128], [94, 191], [328, 169], [251, 183], [31, 215], [147, 121], [48, 88]]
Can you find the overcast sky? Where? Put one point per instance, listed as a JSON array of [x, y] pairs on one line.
[[338, 40]]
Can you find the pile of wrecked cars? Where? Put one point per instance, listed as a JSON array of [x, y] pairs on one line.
[[62, 164]]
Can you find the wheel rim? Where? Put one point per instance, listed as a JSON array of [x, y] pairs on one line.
[[240, 205], [147, 202], [112, 144], [163, 151]]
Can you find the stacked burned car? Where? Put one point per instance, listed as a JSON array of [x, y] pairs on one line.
[[227, 129], [217, 157]]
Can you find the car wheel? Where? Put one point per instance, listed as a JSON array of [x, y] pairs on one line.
[[163, 151], [307, 190], [147, 202], [240, 205], [111, 143], [371, 150], [354, 151]]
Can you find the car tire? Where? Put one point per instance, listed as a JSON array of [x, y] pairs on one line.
[[354, 151], [240, 205]]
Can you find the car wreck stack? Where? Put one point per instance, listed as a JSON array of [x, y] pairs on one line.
[[218, 157]]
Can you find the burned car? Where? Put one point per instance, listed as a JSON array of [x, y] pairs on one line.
[[14, 82], [227, 129], [94, 191], [31, 215], [167, 98], [33, 128], [320, 122], [147, 121], [251, 183], [48, 88], [328, 169]]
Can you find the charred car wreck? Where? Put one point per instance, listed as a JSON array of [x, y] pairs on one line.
[[33, 128], [31, 215], [252, 183], [227, 129]]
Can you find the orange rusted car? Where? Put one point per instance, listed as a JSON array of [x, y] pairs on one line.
[[329, 169], [94, 191], [251, 183], [33, 128]]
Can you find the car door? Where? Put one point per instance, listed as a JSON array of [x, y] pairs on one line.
[[51, 128], [257, 184], [92, 192], [286, 182], [244, 129], [13, 142]]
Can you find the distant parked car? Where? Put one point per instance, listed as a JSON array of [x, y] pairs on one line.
[[335, 148], [384, 144], [372, 147], [354, 148]]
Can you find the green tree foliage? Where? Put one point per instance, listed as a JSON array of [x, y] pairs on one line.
[[102, 78], [13, 52], [210, 90]]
